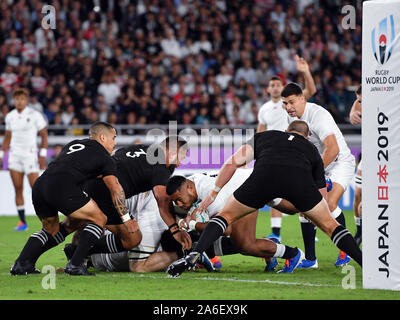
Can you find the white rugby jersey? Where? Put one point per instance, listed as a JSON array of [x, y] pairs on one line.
[[205, 183], [24, 128], [322, 125], [144, 209], [273, 116]]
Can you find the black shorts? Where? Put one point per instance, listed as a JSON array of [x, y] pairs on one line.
[[293, 184], [99, 192], [53, 193]]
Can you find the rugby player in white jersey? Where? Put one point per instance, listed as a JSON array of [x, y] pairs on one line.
[[339, 163], [157, 249], [186, 192], [22, 127], [355, 118], [146, 257], [272, 116]]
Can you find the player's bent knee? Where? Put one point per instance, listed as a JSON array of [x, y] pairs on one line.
[[51, 225], [100, 219]]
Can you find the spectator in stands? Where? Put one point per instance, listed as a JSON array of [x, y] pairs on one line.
[[109, 89], [140, 42], [34, 103]]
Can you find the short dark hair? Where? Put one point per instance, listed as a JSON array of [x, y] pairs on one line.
[[291, 89], [275, 78], [299, 126], [174, 184], [20, 92], [99, 127], [358, 91]]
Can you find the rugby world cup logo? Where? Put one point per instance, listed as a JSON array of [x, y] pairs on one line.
[[382, 38]]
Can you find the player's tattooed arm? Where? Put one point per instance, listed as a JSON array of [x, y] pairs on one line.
[[117, 194], [119, 202]]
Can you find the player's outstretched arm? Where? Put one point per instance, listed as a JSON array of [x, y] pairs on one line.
[[6, 145], [310, 88], [118, 198]]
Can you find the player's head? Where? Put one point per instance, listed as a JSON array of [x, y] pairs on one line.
[[300, 127], [105, 134], [175, 149], [20, 96], [358, 94], [182, 191], [294, 101], [275, 87]]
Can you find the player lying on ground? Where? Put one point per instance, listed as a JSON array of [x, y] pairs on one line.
[[186, 192], [294, 164], [156, 251]]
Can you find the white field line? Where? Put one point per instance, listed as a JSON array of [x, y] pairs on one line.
[[145, 276], [287, 283]]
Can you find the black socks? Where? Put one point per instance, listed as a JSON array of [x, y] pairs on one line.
[[214, 229], [308, 231], [110, 243], [342, 238], [87, 239]]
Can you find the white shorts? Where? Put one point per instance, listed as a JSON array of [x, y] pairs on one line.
[[150, 243], [27, 163], [358, 177], [119, 262], [341, 172]]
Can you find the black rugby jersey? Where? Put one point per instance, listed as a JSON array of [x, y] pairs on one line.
[[83, 159], [136, 174], [287, 149]]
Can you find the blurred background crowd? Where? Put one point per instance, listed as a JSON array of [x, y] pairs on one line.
[[155, 61]]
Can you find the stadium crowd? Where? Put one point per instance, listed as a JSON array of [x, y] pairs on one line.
[[150, 62]]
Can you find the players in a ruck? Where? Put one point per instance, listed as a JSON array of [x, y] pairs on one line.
[[295, 166]]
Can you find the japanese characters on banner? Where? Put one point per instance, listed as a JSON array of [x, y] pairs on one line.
[[381, 144]]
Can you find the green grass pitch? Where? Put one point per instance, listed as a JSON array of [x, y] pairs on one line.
[[241, 278]]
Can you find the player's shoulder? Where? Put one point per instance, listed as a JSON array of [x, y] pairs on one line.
[[269, 133], [201, 176], [315, 110], [267, 106], [11, 113], [31, 111]]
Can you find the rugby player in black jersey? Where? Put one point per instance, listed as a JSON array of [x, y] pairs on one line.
[[59, 189], [140, 168], [294, 169]]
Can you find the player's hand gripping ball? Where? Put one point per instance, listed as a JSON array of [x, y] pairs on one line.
[[199, 216]]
